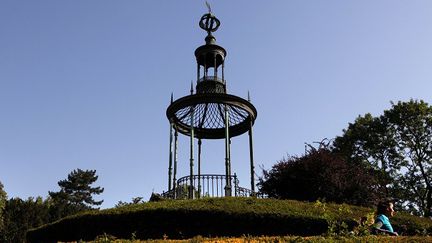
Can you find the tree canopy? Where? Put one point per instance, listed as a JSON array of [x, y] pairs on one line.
[[3, 201], [321, 175], [76, 193], [21, 215], [399, 143]]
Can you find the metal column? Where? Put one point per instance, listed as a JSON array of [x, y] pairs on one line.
[[227, 156], [170, 157], [199, 168], [252, 167], [175, 162], [191, 184]]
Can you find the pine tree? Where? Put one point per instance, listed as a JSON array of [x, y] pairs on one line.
[[76, 193]]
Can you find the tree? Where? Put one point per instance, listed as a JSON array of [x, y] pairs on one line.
[[22, 215], [321, 175], [399, 143], [368, 141], [76, 193], [135, 200], [3, 201]]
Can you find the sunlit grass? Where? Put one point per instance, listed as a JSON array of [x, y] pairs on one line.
[[276, 239]]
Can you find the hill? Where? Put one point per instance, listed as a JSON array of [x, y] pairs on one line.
[[221, 217]]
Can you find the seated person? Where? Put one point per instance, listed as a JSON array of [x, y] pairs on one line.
[[382, 222]]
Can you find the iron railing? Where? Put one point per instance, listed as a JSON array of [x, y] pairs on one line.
[[211, 78], [206, 185]]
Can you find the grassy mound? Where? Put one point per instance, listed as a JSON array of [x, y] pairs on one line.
[[217, 217]]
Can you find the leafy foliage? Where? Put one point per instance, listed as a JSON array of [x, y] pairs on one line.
[[399, 143], [3, 200], [135, 200], [321, 175], [21, 215]]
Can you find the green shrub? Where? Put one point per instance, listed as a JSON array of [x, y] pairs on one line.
[[214, 217]]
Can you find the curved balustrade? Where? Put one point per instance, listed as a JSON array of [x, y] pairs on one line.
[[211, 78], [206, 185]]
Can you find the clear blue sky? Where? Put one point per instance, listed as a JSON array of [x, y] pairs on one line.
[[85, 84]]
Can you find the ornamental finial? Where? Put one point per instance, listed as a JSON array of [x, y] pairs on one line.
[[209, 22]]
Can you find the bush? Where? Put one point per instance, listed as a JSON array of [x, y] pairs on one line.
[[321, 175], [211, 217]]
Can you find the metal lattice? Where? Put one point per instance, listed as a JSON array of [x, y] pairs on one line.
[[211, 115], [208, 111]]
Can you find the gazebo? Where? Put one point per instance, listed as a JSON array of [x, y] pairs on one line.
[[209, 113]]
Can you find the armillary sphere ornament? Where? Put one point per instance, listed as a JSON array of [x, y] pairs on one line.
[[209, 22]]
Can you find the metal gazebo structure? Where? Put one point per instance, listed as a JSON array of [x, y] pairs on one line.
[[209, 113]]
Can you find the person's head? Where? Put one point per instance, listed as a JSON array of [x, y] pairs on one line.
[[386, 208]]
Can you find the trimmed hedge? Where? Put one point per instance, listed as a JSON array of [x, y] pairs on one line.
[[213, 217]]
